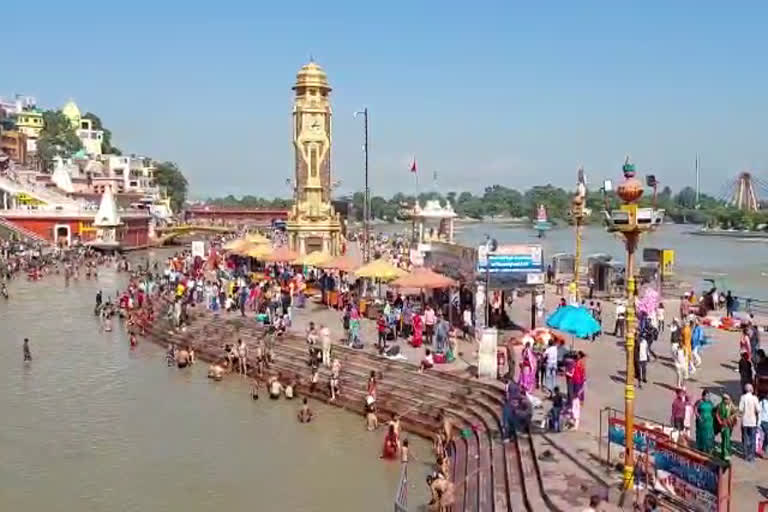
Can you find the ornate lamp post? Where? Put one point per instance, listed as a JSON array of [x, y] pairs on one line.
[[579, 211], [631, 221]]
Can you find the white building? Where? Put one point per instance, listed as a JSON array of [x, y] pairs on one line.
[[135, 174]]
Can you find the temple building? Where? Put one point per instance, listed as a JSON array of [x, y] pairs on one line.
[[90, 137], [313, 224]]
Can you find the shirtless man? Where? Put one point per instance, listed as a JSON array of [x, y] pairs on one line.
[[447, 431], [325, 342], [216, 372], [242, 353], [275, 388], [442, 492], [182, 358], [305, 413], [371, 420]]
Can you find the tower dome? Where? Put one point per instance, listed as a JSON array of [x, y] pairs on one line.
[[312, 75]]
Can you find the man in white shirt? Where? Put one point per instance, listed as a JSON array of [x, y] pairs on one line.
[[764, 423], [467, 320], [642, 359], [550, 377], [621, 312], [749, 410]]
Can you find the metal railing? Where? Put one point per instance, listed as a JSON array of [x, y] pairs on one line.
[[401, 494]]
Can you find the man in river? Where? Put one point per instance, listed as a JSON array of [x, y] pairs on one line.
[[305, 413], [242, 354], [182, 358], [27, 352]]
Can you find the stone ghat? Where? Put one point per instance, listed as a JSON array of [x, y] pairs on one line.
[[488, 475]]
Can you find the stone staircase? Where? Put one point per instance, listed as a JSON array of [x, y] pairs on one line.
[[10, 230], [489, 476]]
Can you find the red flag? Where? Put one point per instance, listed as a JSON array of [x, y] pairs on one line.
[[413, 165]]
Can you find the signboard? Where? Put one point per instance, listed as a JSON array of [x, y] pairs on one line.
[[678, 472], [667, 262], [535, 278], [198, 249], [511, 259]]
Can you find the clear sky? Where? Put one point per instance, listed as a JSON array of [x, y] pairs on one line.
[[480, 92]]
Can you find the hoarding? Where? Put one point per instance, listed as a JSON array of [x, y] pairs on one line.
[[454, 260], [677, 471], [511, 259]]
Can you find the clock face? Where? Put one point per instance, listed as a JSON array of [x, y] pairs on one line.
[[315, 124]]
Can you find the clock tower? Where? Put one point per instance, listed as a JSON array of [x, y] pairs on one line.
[[313, 225]]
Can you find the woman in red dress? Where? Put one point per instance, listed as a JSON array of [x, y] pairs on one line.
[[418, 326], [390, 444]]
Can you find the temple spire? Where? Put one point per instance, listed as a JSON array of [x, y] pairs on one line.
[[107, 215]]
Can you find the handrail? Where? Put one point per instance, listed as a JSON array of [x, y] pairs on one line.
[[401, 494]]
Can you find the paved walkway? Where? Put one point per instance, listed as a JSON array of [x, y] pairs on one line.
[[575, 471]]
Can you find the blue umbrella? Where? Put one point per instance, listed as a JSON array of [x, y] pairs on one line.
[[574, 320]]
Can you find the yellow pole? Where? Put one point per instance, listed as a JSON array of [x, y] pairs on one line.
[[629, 388], [578, 258]]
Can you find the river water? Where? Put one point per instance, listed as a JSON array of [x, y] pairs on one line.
[[738, 264], [92, 426]]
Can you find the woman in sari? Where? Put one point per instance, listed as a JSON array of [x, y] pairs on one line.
[[527, 369], [418, 326], [726, 415], [705, 427], [389, 451]]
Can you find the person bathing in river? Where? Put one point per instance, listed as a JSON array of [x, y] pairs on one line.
[[391, 444], [216, 372], [242, 354], [372, 384], [371, 420], [182, 358], [305, 413], [289, 389], [275, 388], [27, 352]]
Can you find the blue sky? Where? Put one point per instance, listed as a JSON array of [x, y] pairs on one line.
[[481, 92]]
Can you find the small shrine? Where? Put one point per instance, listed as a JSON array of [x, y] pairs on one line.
[[433, 222], [106, 222]]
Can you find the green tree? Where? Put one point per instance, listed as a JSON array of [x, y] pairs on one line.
[[169, 176], [58, 138], [106, 142], [686, 198]]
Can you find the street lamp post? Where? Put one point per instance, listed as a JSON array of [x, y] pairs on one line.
[[631, 222], [367, 193]]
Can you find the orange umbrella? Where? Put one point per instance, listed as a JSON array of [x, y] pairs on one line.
[[423, 278], [281, 254], [344, 263]]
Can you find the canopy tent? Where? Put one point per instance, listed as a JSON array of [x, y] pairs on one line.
[[313, 259], [237, 245], [380, 269], [257, 251], [344, 263], [281, 254], [257, 238], [423, 278], [574, 320]]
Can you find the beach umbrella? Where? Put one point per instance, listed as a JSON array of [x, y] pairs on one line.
[[281, 254], [380, 269], [423, 278], [257, 238], [574, 320], [344, 263], [313, 259]]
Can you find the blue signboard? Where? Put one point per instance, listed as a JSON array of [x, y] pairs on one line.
[[511, 259]]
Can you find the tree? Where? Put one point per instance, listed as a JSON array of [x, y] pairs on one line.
[[168, 176], [106, 142], [58, 138], [686, 198]]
